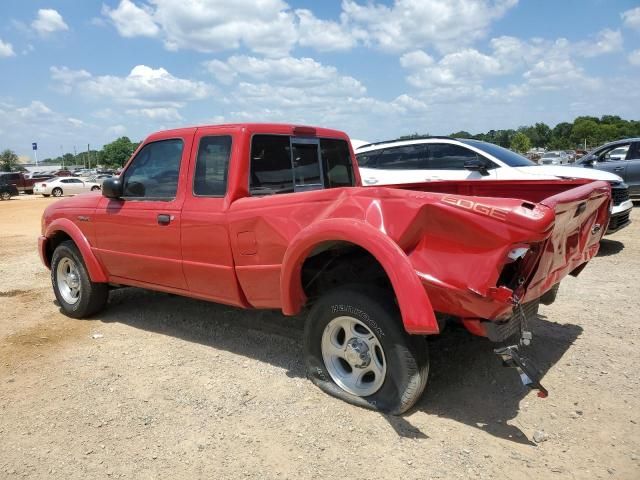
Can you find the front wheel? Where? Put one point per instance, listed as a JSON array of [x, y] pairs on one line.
[[356, 349], [93, 189], [5, 196], [78, 296], [56, 192]]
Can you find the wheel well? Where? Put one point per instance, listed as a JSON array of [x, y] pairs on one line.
[[56, 239], [332, 264]]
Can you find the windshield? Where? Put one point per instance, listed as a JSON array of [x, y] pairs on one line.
[[508, 157]]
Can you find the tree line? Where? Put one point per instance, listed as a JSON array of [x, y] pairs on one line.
[[593, 131], [111, 155]]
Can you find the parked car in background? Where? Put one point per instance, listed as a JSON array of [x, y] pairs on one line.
[[62, 173], [555, 157], [621, 157], [59, 186], [445, 158], [23, 183], [7, 190], [571, 155]]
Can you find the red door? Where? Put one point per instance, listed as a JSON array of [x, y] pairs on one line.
[[138, 236], [206, 252]]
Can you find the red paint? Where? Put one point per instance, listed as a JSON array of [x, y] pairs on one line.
[[443, 245]]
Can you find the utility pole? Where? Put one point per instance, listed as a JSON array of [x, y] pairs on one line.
[[88, 157], [61, 156]]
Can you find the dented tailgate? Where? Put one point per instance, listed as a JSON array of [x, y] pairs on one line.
[[581, 217]]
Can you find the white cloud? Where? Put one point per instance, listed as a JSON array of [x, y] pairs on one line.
[[143, 87], [325, 35], [48, 21], [116, 130], [36, 109], [631, 18], [607, 41], [411, 24], [304, 73], [634, 58], [268, 27], [166, 114], [131, 20], [6, 49]]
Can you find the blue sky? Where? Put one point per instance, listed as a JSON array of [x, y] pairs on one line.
[[78, 72]]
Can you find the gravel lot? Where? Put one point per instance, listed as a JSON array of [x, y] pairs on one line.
[[159, 386]]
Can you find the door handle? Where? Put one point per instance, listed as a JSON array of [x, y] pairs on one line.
[[618, 169], [164, 219]]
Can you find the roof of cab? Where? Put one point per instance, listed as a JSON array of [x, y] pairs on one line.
[[274, 128]]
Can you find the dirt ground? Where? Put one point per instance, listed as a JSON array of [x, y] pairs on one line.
[[159, 386]]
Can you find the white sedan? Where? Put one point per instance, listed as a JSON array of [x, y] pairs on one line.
[[445, 158], [59, 186]]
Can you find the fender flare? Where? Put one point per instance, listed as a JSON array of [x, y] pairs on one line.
[[94, 267], [417, 313]]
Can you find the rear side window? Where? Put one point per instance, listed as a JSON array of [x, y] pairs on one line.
[[283, 164], [153, 173], [409, 157], [212, 166], [444, 156]]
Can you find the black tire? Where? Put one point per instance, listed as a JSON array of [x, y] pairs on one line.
[[93, 189], [46, 195], [92, 296], [5, 196], [406, 356], [56, 192], [29, 192]]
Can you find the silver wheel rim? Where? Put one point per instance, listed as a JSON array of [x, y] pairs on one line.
[[57, 192], [353, 356], [6, 195], [68, 280]]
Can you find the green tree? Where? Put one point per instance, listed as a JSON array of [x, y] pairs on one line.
[[520, 143], [116, 153], [8, 160]]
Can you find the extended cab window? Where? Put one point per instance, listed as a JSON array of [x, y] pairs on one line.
[[336, 163], [212, 165], [153, 173], [283, 164]]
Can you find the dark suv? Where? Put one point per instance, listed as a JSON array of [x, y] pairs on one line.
[[621, 157]]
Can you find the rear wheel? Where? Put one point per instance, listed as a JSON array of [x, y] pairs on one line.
[[56, 192], [29, 192], [78, 296], [93, 189], [356, 349], [5, 196]]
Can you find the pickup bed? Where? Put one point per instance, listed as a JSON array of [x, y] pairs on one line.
[[274, 217]]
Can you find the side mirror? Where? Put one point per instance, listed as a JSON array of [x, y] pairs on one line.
[[476, 166], [112, 188]]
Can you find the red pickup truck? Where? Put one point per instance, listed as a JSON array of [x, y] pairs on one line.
[[22, 183], [274, 217]]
